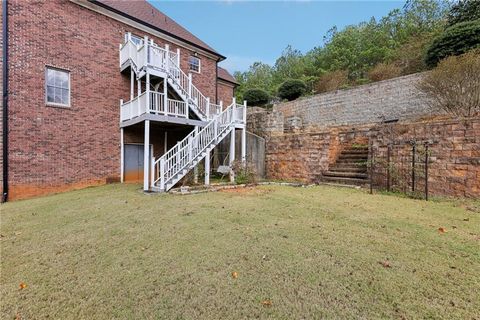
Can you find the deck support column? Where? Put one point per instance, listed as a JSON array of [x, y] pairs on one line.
[[146, 156], [122, 157], [232, 155], [132, 84], [244, 135], [207, 168]]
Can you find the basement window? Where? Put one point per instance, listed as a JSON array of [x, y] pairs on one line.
[[57, 87], [194, 64]]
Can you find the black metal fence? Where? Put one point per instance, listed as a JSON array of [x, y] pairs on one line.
[[401, 166]]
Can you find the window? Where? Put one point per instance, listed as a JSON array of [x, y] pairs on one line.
[[57, 87], [194, 64], [137, 40]]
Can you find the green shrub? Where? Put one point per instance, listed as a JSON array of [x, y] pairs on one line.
[[292, 89], [464, 10], [256, 97], [454, 41]]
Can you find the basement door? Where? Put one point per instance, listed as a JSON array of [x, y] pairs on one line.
[[133, 162]]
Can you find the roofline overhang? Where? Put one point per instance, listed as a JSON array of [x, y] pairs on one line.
[[183, 42]]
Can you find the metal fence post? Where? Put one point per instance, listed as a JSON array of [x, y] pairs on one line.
[[413, 165], [426, 171], [389, 147]]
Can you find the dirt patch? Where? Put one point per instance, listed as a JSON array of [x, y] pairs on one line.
[[255, 191]]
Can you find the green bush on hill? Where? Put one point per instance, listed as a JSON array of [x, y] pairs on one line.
[[456, 40], [256, 97], [291, 89]]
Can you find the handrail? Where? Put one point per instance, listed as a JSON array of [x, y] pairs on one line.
[[194, 144]]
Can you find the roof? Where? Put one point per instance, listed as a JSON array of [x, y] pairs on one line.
[[223, 74], [144, 13]]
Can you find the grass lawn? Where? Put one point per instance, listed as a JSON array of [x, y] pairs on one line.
[[298, 253]]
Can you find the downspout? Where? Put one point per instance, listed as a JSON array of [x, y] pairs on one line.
[[5, 100]]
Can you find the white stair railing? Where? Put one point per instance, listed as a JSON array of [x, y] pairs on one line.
[[177, 161], [148, 53], [185, 84]]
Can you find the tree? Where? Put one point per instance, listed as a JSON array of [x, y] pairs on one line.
[[256, 97], [456, 40], [291, 89], [454, 85], [464, 10]]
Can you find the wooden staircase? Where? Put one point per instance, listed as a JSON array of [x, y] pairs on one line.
[[350, 167]]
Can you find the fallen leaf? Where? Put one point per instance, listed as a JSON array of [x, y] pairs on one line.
[[442, 230], [234, 275], [385, 264], [267, 303], [23, 285]]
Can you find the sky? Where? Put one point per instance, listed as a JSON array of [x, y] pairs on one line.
[[250, 31]]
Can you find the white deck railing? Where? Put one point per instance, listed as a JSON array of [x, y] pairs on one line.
[[147, 54], [168, 168], [138, 106]]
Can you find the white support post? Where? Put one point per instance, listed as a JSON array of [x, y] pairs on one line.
[[145, 44], [122, 157], [132, 84], [147, 94], [178, 57], [234, 108], [221, 106], [232, 155], [162, 175], [207, 168], [129, 36], [207, 108], [190, 85], [165, 95], [139, 91], [244, 135], [146, 157], [167, 62], [152, 170]]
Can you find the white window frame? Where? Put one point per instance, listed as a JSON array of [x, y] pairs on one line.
[[199, 64], [134, 36], [56, 104]]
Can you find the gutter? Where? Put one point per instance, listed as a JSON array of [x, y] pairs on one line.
[[5, 100]]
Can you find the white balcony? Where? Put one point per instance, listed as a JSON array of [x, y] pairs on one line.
[[146, 54], [155, 105]]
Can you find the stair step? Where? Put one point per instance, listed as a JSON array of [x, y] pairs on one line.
[[357, 169], [352, 162], [355, 151], [355, 181], [353, 156], [345, 174]]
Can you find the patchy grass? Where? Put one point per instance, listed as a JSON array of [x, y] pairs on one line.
[[298, 253]]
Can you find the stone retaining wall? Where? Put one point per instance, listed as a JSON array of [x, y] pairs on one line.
[[394, 99]]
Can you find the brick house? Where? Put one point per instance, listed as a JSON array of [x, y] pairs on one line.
[[102, 90]]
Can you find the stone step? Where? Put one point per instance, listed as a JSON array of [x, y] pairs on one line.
[[358, 175], [353, 156], [357, 169], [353, 181], [355, 151], [353, 162]]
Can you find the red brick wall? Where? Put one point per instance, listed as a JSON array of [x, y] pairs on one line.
[[55, 149], [225, 93]]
